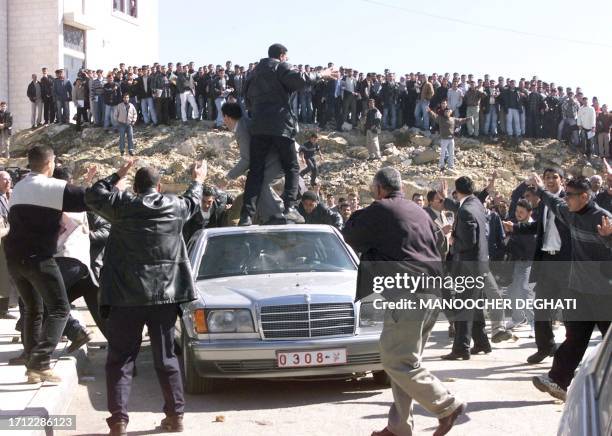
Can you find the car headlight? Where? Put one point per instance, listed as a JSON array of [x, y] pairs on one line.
[[370, 317], [229, 321]]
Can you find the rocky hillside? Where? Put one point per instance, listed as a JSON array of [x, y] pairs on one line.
[[345, 168]]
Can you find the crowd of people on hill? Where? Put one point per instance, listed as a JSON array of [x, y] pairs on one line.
[[160, 93], [56, 234]]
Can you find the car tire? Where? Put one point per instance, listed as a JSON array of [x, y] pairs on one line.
[[194, 384], [381, 378]]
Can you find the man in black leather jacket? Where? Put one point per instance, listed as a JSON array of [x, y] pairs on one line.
[[146, 275], [316, 213], [273, 127]]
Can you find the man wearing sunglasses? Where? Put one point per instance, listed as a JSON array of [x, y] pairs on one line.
[[590, 281]]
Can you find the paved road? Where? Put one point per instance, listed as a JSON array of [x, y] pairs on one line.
[[497, 387]]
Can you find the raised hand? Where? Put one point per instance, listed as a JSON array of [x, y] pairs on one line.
[[199, 171], [125, 168], [605, 228], [508, 226]]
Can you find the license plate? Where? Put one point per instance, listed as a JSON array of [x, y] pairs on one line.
[[296, 359]]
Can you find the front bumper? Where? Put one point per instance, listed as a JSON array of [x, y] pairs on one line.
[[257, 359]]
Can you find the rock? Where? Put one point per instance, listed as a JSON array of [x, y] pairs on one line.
[[421, 141], [358, 152], [424, 157], [402, 138], [333, 145], [467, 143], [392, 151], [394, 160], [55, 129], [588, 171], [389, 145], [505, 174], [346, 127], [186, 149]]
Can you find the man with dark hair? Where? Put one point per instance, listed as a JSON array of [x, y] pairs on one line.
[[393, 232], [553, 245], [36, 207], [273, 127], [211, 213], [307, 152], [316, 213], [417, 197], [470, 259], [146, 276], [62, 95], [589, 279], [46, 85]]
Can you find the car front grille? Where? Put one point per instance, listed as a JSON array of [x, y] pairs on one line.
[[269, 365], [299, 321]]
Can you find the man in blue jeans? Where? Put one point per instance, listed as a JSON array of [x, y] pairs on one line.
[[126, 116], [36, 207]]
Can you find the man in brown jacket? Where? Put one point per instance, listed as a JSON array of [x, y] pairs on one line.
[[420, 113]]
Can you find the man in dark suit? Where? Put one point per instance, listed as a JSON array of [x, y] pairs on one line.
[[553, 244], [396, 234], [470, 258]]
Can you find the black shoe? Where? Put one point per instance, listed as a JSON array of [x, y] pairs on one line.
[[291, 214], [456, 356], [172, 423], [500, 336], [541, 355], [83, 337], [123, 153], [18, 361], [131, 152], [478, 349], [118, 429]]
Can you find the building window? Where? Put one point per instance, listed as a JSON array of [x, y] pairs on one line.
[[129, 7], [74, 38]]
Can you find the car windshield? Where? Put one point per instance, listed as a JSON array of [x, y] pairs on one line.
[[273, 252]]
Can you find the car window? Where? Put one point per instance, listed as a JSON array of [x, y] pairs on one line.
[[273, 252]]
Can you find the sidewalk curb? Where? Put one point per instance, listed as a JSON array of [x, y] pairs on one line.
[[51, 399]]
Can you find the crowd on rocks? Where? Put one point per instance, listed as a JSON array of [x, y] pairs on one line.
[[56, 232], [160, 93]]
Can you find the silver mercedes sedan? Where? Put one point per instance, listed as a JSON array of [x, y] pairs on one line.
[[276, 302]]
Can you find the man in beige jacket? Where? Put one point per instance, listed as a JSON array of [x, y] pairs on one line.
[[126, 116]]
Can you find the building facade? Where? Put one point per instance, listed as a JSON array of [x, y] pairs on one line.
[[70, 34]]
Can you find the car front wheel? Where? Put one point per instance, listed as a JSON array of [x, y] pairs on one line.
[[381, 378], [194, 384]]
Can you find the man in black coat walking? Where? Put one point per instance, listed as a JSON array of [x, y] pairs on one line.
[[146, 276]]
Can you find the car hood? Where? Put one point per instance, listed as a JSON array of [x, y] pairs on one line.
[[289, 288]]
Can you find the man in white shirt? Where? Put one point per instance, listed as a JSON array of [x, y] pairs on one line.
[[552, 250], [586, 123]]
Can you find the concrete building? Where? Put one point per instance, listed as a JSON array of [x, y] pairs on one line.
[[70, 34]]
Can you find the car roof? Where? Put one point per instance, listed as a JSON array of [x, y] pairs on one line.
[[265, 229]]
